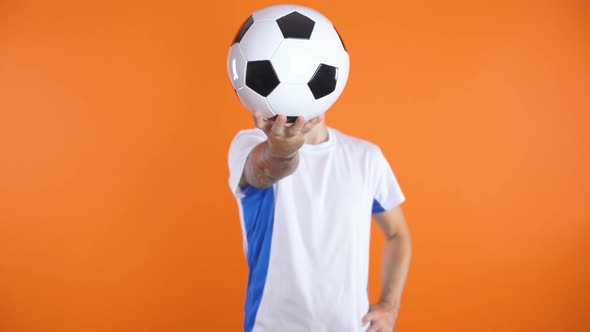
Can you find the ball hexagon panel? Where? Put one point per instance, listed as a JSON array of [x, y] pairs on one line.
[[296, 25], [245, 26], [327, 45], [294, 61], [261, 77], [255, 102], [273, 12], [323, 81], [236, 66], [266, 31], [296, 100]]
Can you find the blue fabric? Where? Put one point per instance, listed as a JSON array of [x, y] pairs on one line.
[[377, 208], [258, 206]]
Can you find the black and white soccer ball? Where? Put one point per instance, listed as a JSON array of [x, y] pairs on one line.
[[288, 60]]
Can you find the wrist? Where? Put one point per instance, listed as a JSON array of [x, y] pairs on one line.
[[390, 304], [282, 156]]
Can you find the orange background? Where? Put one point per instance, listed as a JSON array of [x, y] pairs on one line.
[[116, 116]]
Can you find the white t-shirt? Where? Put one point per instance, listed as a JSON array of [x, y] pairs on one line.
[[306, 238]]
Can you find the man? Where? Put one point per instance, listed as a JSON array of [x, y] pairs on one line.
[[306, 194]]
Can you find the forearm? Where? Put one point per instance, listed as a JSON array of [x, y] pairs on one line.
[[264, 167], [394, 270]]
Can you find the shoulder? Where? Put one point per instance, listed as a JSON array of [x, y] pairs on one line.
[[357, 144], [246, 133], [247, 137], [245, 140]]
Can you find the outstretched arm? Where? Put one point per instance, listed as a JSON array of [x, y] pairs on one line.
[[278, 156], [394, 269]]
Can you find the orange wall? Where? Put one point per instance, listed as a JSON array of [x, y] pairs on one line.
[[116, 116]]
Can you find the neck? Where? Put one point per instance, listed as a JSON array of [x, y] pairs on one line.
[[318, 134]]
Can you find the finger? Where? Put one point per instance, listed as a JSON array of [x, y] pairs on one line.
[[258, 120], [278, 128], [262, 123], [367, 318], [310, 124], [296, 127], [374, 328]]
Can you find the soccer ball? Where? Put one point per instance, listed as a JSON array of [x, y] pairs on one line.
[[288, 60]]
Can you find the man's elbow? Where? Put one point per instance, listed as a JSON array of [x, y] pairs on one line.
[[401, 236]]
